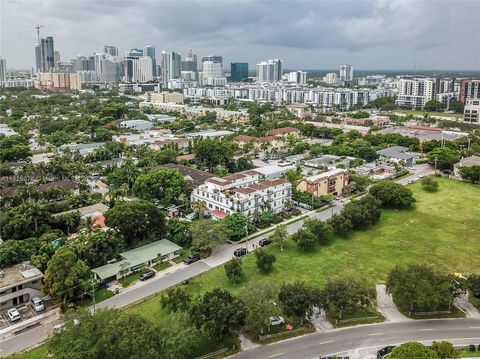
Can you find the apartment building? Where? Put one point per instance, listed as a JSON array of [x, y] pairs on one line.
[[472, 111], [415, 92], [18, 284], [164, 97], [330, 182], [58, 81], [243, 192]]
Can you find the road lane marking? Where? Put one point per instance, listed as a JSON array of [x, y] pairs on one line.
[[425, 330], [473, 327], [275, 355], [327, 342], [372, 334]]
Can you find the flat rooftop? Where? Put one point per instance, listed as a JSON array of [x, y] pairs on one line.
[[18, 274]]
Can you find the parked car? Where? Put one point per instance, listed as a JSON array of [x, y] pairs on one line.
[[421, 175], [192, 258], [411, 181], [37, 304], [240, 252], [277, 320], [13, 314], [147, 275], [264, 242]]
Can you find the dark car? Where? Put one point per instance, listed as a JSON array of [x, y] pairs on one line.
[[147, 275], [264, 242], [192, 258], [240, 252]]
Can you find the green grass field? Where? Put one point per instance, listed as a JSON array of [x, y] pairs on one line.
[[422, 113]]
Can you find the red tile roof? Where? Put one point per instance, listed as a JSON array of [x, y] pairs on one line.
[[217, 213], [234, 176], [425, 128], [244, 190], [219, 181], [243, 138], [265, 139], [275, 182]]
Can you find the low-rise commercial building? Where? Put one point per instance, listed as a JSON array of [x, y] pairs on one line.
[[136, 259], [330, 182], [18, 284], [137, 125], [243, 192]]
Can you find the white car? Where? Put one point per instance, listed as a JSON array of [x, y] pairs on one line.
[[37, 304], [421, 175], [277, 320], [14, 314]]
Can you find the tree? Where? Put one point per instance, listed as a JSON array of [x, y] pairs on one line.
[[297, 299], [364, 212], [305, 239], [176, 299], [163, 184], [280, 234], [219, 314], [347, 295], [445, 350], [233, 270], [66, 275], [429, 184], [212, 152], [341, 225], [420, 288], [443, 158], [16, 251], [92, 336], [260, 300], [178, 338], [433, 105], [137, 221], [98, 248], [473, 284], [206, 234], [471, 173], [238, 225], [321, 230], [264, 260], [412, 350], [392, 194], [178, 232]]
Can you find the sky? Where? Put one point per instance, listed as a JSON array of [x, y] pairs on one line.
[[368, 34]]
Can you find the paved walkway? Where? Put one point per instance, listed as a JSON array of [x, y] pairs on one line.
[[247, 344], [386, 306], [320, 322], [464, 304]]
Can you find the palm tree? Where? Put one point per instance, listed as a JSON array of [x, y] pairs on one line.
[[34, 212], [88, 225]]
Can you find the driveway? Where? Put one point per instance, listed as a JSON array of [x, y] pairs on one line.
[[386, 306], [464, 304]]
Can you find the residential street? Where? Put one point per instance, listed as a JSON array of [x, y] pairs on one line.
[[369, 338], [175, 275]]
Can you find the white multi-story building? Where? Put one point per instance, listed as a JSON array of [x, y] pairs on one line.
[[472, 111], [298, 77], [270, 71], [346, 73], [243, 192], [331, 78], [415, 92]]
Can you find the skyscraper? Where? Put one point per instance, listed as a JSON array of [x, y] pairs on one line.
[[270, 71], [56, 58], [150, 52], [213, 58], [134, 53], [238, 71], [111, 50], [138, 69], [3, 70], [45, 55], [346, 73], [170, 66], [190, 62], [298, 77]]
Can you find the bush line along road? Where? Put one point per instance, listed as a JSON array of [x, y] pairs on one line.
[[175, 275]]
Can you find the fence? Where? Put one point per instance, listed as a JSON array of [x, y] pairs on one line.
[[209, 355], [281, 334]]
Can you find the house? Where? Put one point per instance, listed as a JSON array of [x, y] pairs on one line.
[[300, 110], [242, 192], [398, 154], [330, 182], [94, 210], [18, 284], [465, 162], [284, 131], [136, 259], [191, 175]]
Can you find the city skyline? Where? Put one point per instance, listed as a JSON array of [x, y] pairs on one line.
[[368, 34]]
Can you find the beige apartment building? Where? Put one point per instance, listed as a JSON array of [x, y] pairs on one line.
[[330, 182], [164, 97], [58, 81]]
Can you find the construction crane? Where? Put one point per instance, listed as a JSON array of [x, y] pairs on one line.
[[38, 27]]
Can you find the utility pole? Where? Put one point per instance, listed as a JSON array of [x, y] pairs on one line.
[[436, 159], [246, 234]]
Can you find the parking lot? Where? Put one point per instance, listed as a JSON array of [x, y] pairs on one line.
[[26, 312]]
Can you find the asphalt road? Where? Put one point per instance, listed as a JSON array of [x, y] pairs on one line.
[[176, 275], [358, 339]]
